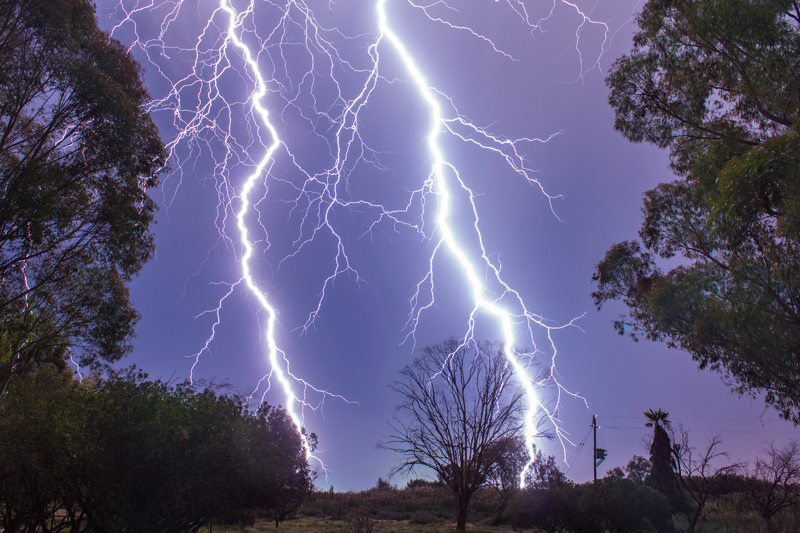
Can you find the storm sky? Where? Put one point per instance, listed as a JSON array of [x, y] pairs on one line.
[[517, 70]]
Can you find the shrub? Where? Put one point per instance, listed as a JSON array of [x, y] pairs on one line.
[[422, 518], [613, 505], [359, 521]]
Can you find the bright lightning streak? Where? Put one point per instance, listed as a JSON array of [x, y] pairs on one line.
[[247, 246], [480, 294], [328, 94]]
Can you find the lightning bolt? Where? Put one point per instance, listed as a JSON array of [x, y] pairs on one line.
[[255, 70]]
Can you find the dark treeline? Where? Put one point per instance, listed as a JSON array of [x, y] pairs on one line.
[[122, 453], [713, 494]]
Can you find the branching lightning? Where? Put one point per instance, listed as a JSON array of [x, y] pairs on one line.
[[254, 70]]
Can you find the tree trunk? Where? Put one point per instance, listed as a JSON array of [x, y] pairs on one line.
[[462, 509]]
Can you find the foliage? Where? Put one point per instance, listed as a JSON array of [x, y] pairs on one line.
[[637, 469], [395, 504], [41, 453], [626, 506], [611, 504], [383, 484], [280, 477], [550, 510], [128, 454], [359, 521], [462, 412], [586, 508], [545, 472], [77, 154], [505, 474], [716, 82], [418, 483]]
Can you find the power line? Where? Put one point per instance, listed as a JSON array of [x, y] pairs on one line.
[[760, 421], [715, 430]]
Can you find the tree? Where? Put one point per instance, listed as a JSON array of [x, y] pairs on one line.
[[382, 484], [624, 506], [127, 454], [461, 410], [774, 484], [701, 478], [504, 475], [548, 510], [281, 474], [662, 470], [39, 451], [718, 84], [637, 469], [77, 155], [161, 457]]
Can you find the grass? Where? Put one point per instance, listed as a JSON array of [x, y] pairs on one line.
[[315, 525], [431, 510]]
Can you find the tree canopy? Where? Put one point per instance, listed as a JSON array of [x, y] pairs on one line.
[[125, 453], [461, 414], [77, 155], [718, 84]]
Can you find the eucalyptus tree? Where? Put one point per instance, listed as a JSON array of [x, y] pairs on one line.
[[717, 83], [78, 153]]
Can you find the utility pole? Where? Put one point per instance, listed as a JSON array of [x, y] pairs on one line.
[[599, 454]]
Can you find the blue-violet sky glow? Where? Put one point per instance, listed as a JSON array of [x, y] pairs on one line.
[[302, 251]]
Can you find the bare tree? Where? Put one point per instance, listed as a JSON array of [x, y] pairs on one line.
[[775, 482], [459, 411], [701, 476]]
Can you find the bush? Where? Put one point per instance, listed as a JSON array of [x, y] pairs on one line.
[[422, 518], [359, 521], [547, 509], [613, 505], [630, 507]]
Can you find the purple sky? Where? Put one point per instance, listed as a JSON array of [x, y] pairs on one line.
[[359, 340]]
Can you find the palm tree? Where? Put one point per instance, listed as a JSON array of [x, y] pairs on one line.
[[662, 472]]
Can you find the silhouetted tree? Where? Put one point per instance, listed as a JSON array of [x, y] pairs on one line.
[[459, 407], [717, 83], [548, 510], [419, 483], [701, 477], [637, 469], [774, 483], [505, 475], [624, 506], [77, 155], [281, 474], [41, 451], [127, 454], [662, 461]]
